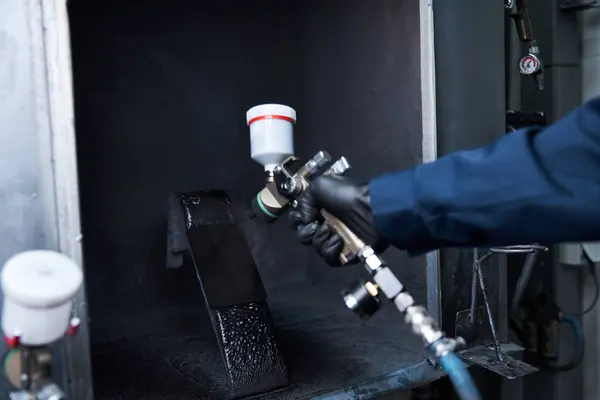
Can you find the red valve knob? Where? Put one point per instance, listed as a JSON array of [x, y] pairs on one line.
[[12, 341], [73, 326]]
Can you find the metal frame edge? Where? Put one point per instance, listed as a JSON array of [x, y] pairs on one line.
[[429, 141], [59, 93]]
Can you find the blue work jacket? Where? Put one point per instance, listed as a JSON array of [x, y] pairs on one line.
[[532, 185]]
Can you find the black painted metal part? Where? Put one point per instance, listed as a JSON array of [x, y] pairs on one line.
[[203, 225], [522, 119]]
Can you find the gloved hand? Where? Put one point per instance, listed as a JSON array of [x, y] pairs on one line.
[[345, 199]]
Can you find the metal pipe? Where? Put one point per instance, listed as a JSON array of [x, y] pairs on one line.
[[488, 308], [523, 281], [476, 261]]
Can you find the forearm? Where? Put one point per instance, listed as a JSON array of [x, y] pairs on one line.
[[526, 187]]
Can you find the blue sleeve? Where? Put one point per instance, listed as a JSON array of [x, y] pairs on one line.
[[529, 186]]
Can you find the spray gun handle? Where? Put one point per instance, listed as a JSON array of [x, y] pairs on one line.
[[352, 244]]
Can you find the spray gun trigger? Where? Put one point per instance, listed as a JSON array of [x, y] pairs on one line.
[[339, 167]]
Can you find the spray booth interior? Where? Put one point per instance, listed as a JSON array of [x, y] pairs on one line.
[[161, 91]]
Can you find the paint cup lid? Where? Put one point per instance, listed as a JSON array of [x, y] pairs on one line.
[[270, 111], [41, 278]]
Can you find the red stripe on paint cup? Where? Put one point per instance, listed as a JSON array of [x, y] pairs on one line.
[[261, 117]]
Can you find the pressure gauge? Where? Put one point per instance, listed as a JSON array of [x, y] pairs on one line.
[[363, 299], [529, 64]]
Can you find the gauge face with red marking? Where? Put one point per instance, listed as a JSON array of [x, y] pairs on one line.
[[529, 65]]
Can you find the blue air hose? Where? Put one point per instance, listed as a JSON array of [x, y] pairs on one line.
[[459, 376]]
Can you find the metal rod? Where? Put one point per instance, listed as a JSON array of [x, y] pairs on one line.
[[26, 361], [476, 260], [519, 249], [488, 308], [473, 297], [472, 318], [523, 281]]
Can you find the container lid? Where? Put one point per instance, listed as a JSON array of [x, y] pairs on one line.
[[40, 278], [270, 111]]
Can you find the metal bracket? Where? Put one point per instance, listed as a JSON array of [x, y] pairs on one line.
[[492, 356], [520, 119], [578, 5], [508, 367]]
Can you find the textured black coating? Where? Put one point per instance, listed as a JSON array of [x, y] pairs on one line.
[[253, 360], [161, 91], [232, 287], [207, 208]]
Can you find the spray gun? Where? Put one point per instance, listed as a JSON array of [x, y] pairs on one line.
[[38, 289], [271, 136], [530, 64]]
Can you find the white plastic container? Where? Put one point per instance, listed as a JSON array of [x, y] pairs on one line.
[[38, 289], [271, 133]]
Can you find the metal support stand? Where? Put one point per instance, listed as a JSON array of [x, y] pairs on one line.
[[493, 357]]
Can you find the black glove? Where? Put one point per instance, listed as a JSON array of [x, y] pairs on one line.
[[345, 199]]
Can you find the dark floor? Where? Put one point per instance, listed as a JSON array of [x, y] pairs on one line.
[[152, 337], [170, 352]]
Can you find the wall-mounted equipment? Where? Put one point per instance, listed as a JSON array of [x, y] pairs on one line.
[[38, 289], [530, 64]]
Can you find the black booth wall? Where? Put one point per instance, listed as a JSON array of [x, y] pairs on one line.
[[161, 91]]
